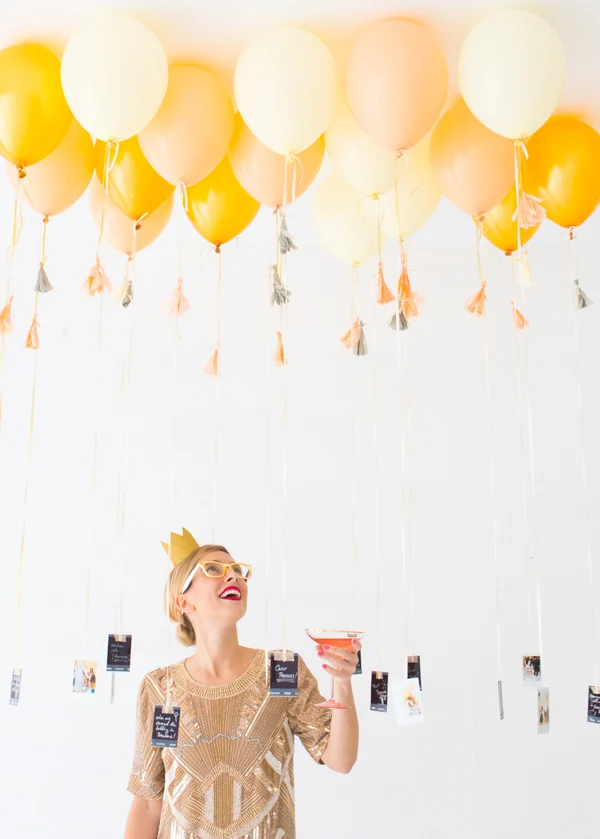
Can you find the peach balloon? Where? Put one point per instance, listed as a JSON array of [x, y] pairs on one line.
[[262, 172], [190, 134], [59, 180], [396, 82], [119, 228], [474, 166]]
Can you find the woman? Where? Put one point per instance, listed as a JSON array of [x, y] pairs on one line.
[[231, 775]]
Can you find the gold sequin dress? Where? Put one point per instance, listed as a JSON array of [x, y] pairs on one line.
[[231, 775]]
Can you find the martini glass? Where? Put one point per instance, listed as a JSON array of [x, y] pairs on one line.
[[341, 638]]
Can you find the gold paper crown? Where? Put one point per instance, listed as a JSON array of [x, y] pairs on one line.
[[181, 546]]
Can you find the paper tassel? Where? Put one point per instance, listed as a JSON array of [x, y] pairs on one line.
[[520, 320], [286, 243], [97, 281], [6, 317], [32, 341], [279, 357], [43, 284], [179, 303], [409, 300], [384, 295], [393, 321], [212, 368], [355, 339], [127, 294], [581, 299], [529, 212], [280, 294], [475, 305], [525, 272]]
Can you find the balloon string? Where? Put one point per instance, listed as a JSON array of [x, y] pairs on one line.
[[217, 400], [518, 146], [182, 210], [353, 451], [574, 278], [268, 483], [111, 152], [172, 485], [16, 229], [92, 498], [45, 221], [123, 475], [377, 493]]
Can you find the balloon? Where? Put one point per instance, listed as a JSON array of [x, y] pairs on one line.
[[34, 115], [219, 208], [59, 180], [419, 193], [346, 223], [500, 229], [368, 167], [119, 228], [262, 172], [512, 72], [396, 82], [114, 75], [192, 130], [474, 166], [286, 88], [133, 184], [563, 169]]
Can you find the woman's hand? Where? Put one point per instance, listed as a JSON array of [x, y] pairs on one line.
[[339, 663]]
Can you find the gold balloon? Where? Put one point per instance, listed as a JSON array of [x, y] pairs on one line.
[[500, 229], [563, 169], [34, 115], [59, 180], [219, 207], [135, 187]]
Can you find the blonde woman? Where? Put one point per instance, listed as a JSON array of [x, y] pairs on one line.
[[231, 775]]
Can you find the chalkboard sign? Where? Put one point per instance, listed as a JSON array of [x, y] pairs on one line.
[[165, 730], [379, 692], [284, 675], [594, 705], [15, 687], [358, 671], [118, 658], [413, 669]]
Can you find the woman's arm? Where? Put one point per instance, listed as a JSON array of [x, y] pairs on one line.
[[342, 748], [144, 818]]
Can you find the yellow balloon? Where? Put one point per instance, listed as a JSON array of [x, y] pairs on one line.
[[563, 171], [346, 222], [419, 193], [500, 229], [219, 208], [135, 187], [34, 115]]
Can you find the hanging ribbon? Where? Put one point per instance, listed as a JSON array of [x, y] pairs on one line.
[[268, 489], [409, 300], [384, 295], [354, 339], [528, 213], [475, 305], [375, 436], [212, 369], [6, 314]]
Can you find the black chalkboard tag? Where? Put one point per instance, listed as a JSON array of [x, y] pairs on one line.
[[594, 705], [284, 674], [413, 669], [358, 671], [379, 692], [165, 730], [15, 687], [118, 657]]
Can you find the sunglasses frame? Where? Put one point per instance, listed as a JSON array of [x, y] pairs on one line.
[[226, 566]]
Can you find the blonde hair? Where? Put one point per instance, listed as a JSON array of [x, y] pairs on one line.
[[177, 577]]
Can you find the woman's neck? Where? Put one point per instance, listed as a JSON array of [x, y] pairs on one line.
[[219, 658]]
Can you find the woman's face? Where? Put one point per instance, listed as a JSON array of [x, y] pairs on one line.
[[215, 600]]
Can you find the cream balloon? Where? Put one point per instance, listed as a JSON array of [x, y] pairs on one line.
[[346, 223], [286, 88], [114, 75], [512, 71], [419, 193], [362, 162]]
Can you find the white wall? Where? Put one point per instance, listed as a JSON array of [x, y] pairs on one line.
[[463, 774]]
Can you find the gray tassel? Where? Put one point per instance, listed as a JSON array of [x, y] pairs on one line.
[[128, 295], [393, 321], [581, 298], [280, 294], [360, 348], [286, 243], [43, 284]]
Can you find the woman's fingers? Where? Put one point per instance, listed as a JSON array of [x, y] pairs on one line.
[[340, 665], [339, 673]]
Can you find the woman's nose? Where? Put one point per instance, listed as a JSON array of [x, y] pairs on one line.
[[230, 576]]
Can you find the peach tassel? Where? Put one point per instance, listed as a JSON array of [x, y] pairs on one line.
[[179, 303], [384, 295], [6, 320], [32, 341], [529, 212], [352, 336], [279, 357], [409, 300], [520, 320], [97, 282], [475, 305], [212, 368]]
